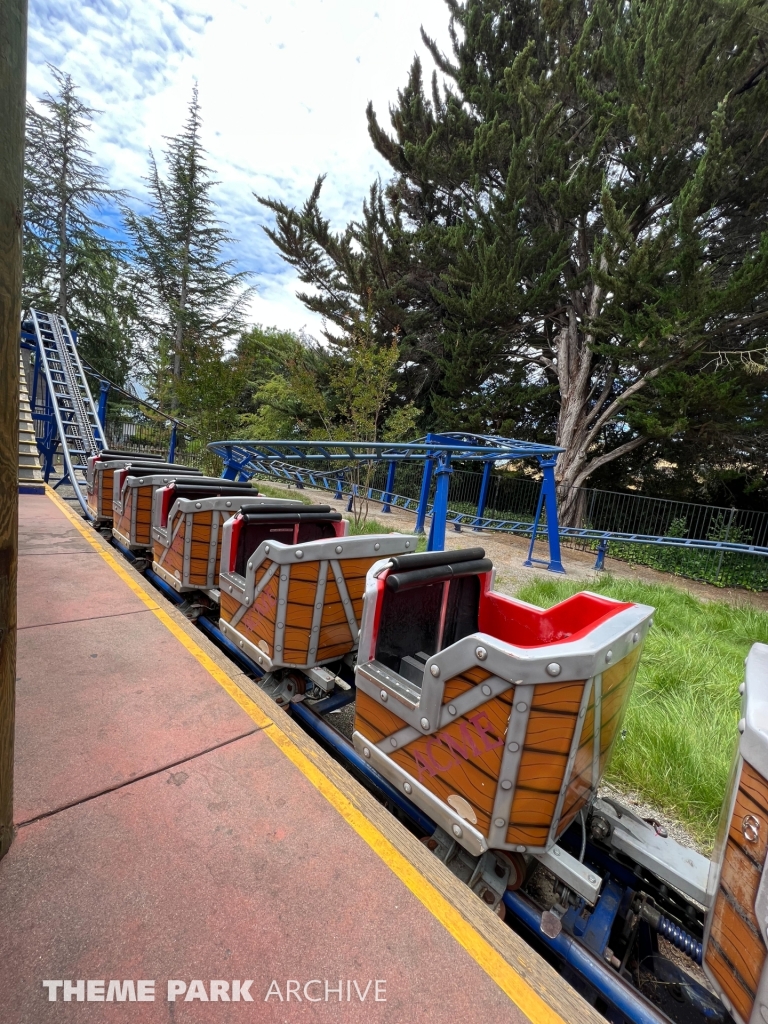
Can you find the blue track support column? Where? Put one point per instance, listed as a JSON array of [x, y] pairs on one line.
[[339, 487], [484, 486], [602, 551], [233, 466], [390, 487], [104, 387], [426, 483], [548, 501], [443, 472], [172, 445]]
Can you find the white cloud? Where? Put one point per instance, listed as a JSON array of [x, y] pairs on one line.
[[283, 88]]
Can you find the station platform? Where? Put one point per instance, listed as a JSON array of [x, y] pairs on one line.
[[174, 825]]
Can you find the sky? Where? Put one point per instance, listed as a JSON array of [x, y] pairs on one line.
[[283, 88]]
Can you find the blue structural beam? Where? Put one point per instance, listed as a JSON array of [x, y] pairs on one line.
[[483, 498], [293, 460], [547, 503], [386, 507]]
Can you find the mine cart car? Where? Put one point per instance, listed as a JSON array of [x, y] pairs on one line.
[[133, 489], [292, 584], [493, 716], [188, 516]]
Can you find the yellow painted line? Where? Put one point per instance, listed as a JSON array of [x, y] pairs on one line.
[[481, 951]]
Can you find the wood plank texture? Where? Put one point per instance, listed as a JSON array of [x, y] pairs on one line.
[[736, 952]]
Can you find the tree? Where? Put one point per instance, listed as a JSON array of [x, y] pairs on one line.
[[582, 208], [70, 265], [190, 301], [268, 404], [355, 401]]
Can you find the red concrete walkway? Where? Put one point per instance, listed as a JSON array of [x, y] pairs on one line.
[[163, 835]]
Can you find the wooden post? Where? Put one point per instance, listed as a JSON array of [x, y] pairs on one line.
[[13, 62]]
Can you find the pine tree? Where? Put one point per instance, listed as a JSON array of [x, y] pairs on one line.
[[70, 265], [580, 213], [190, 300]]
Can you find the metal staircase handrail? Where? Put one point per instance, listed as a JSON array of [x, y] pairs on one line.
[[78, 429]]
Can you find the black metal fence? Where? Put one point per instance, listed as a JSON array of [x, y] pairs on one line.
[[512, 496]]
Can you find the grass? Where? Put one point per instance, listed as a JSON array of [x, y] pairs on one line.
[[282, 492], [680, 727], [374, 526]]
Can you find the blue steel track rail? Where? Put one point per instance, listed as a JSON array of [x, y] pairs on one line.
[[302, 475]]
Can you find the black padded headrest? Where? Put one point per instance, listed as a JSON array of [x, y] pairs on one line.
[[293, 516], [437, 573], [278, 508], [161, 469], [112, 453], [428, 559], [213, 484]]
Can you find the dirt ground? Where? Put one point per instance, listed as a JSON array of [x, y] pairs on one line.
[[508, 554]]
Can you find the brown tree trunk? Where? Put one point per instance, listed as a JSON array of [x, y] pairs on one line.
[[585, 406], [13, 57]]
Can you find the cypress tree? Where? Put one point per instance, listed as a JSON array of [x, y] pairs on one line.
[[190, 301], [70, 265], [580, 214]]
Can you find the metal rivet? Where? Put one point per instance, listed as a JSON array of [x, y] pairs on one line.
[[339, 549], [591, 879], [247, 600], [278, 648], [392, 742], [486, 690], [582, 712], [499, 822], [424, 723], [260, 660], [451, 709], [609, 655], [198, 505], [366, 751], [635, 637], [266, 548], [408, 788], [553, 669], [650, 623], [230, 589], [556, 851], [506, 784], [284, 576], [513, 747], [281, 601], [241, 643], [376, 546], [434, 670], [521, 849], [742, 688], [407, 543], [456, 829], [521, 707], [250, 565], [384, 696], [280, 625], [228, 504], [742, 725], [299, 554], [481, 654]]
